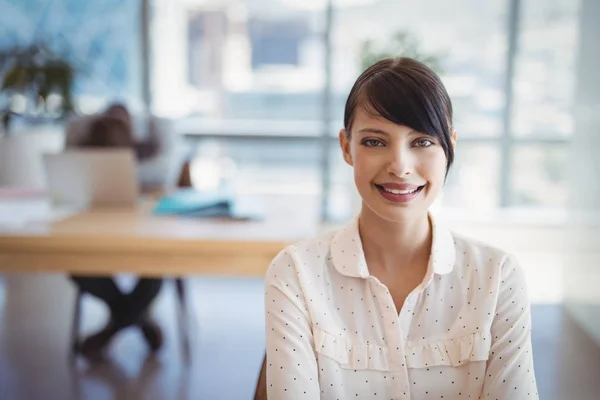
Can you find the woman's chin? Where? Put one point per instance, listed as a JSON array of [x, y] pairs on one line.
[[392, 214]]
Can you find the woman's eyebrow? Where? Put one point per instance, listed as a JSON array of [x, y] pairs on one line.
[[373, 130], [382, 132]]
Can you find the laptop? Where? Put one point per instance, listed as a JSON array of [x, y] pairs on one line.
[[92, 177]]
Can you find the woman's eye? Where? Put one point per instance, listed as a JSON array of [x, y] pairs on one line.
[[424, 143], [373, 143]]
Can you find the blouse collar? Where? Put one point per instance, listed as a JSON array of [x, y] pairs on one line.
[[348, 256]]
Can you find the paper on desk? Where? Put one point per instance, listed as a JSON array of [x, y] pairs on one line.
[[25, 213]]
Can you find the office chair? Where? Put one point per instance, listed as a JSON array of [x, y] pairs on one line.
[[260, 392]]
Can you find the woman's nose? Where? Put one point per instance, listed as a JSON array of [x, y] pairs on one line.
[[400, 163]]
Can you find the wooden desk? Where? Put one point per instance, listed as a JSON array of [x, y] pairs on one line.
[[106, 241]]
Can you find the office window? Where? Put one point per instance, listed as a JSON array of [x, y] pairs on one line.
[[237, 60], [542, 118], [277, 42], [100, 37], [244, 80], [474, 180], [545, 69], [540, 176]]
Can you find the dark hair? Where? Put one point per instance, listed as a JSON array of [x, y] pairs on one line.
[[116, 109], [113, 132], [405, 92], [109, 132]]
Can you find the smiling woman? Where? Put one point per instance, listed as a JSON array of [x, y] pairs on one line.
[[398, 137], [394, 305], [395, 127]]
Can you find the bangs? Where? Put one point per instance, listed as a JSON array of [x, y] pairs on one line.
[[400, 100]]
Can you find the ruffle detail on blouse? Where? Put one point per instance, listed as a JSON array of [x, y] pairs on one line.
[[351, 356], [450, 352]]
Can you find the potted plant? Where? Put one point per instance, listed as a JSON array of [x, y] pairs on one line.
[[36, 75], [35, 72]]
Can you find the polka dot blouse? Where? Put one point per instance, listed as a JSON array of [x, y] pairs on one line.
[[333, 331]]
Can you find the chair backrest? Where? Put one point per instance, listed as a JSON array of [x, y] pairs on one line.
[[261, 385]]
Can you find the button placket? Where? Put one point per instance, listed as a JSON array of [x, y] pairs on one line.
[[406, 314], [405, 318], [395, 340]]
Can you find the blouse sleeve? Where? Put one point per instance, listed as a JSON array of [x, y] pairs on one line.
[[509, 372], [291, 361]]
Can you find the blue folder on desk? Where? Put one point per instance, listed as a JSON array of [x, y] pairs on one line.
[[193, 203]]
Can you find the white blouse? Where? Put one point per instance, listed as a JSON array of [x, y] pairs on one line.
[[333, 331]]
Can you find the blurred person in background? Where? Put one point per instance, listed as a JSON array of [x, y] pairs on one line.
[[395, 305], [80, 129], [113, 130]]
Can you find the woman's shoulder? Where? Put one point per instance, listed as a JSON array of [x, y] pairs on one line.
[[305, 256], [478, 254]]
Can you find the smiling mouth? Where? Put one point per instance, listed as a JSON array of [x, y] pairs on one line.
[[396, 191], [399, 196]]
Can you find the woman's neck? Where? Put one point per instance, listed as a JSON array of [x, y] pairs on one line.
[[395, 246]]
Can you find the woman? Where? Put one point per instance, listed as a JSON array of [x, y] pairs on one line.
[[394, 306], [113, 130]]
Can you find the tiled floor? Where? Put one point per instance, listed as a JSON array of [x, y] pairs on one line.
[[228, 344]]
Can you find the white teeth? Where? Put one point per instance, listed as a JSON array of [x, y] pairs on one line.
[[399, 191]]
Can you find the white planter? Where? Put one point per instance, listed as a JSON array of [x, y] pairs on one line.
[[21, 158]]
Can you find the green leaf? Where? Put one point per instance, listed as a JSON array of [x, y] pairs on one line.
[[399, 44], [17, 79]]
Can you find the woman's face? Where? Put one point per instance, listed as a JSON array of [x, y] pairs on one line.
[[398, 172]]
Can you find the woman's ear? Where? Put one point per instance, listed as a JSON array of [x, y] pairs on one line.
[[453, 138], [345, 146]]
